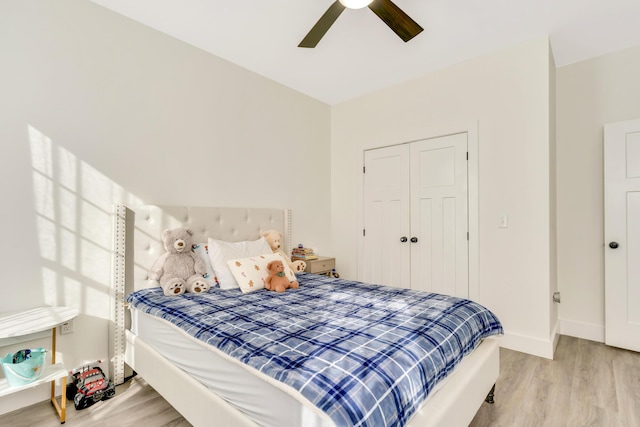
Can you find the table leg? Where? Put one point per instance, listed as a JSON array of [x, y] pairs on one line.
[[61, 408]]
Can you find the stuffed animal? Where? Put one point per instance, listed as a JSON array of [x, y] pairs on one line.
[[276, 280], [179, 269], [273, 238]]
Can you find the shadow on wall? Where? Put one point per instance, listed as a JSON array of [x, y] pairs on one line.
[[74, 221]]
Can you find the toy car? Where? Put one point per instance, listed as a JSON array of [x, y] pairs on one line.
[[88, 385]]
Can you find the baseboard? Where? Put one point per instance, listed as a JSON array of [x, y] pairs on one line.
[[530, 345], [555, 335], [587, 331]]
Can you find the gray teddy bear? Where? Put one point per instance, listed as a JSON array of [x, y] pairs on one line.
[[179, 270]]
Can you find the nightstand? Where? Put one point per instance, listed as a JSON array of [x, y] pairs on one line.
[[322, 265]]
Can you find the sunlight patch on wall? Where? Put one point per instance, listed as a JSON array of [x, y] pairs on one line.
[[74, 221], [93, 301], [46, 238], [68, 215], [41, 157], [68, 172], [96, 189], [43, 189], [95, 258], [96, 224], [68, 253], [49, 286], [72, 290]]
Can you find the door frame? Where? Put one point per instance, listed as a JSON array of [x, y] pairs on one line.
[[445, 129]]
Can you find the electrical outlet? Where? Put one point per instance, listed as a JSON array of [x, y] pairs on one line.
[[66, 327]]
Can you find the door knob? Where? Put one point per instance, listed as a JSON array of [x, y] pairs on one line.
[[414, 240], [403, 239], [613, 245]]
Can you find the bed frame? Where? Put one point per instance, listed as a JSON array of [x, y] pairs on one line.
[[137, 245]]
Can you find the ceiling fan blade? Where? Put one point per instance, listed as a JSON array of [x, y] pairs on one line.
[[405, 27], [322, 26]]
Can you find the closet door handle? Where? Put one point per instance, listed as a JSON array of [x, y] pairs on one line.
[[403, 239], [414, 240], [613, 245]]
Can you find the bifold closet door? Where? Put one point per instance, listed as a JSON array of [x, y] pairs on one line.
[[439, 215], [416, 216], [386, 217]]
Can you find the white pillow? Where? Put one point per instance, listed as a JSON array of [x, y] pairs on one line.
[[251, 272], [220, 252], [202, 250]]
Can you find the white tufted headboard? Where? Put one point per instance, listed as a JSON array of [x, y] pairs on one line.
[[137, 245]]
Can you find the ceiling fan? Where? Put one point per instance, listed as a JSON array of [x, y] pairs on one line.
[[405, 27]]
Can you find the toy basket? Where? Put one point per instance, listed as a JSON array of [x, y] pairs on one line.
[[24, 366]]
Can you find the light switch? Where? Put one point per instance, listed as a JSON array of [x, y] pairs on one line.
[[503, 221]]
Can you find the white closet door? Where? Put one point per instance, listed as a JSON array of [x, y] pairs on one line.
[[439, 215], [622, 234], [386, 216]]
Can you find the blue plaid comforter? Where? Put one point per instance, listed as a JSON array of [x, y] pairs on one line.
[[366, 355]]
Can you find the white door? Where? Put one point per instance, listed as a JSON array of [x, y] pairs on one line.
[[386, 216], [416, 216], [439, 216], [622, 234]]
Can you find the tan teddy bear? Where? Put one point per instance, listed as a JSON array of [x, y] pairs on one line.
[[277, 280], [274, 239]]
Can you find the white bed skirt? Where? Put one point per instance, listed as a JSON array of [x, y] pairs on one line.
[[242, 386]]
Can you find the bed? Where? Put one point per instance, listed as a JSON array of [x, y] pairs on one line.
[[244, 386]]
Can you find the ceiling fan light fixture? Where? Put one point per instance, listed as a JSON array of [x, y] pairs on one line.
[[401, 23], [355, 4]]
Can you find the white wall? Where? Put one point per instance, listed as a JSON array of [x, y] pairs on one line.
[[589, 94], [508, 94], [96, 109]]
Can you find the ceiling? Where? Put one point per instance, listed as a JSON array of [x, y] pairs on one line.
[[360, 54]]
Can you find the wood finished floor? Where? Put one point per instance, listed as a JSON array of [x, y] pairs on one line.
[[588, 384]]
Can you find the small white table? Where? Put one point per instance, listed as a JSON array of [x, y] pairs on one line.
[[14, 327]]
